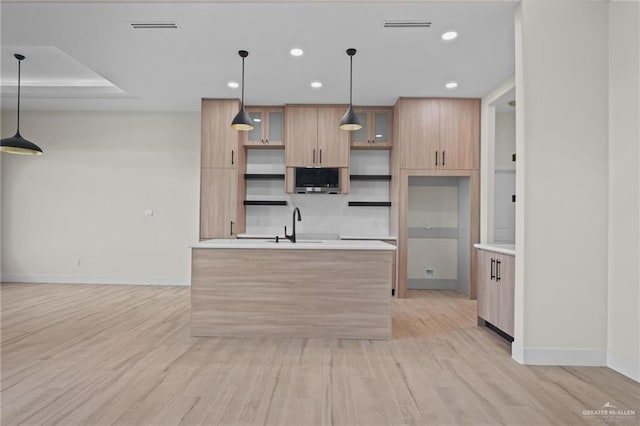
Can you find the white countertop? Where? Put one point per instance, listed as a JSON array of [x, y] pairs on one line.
[[300, 245], [509, 249], [341, 237]]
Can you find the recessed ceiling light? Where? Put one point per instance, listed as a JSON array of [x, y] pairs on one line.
[[316, 84], [233, 84], [451, 85], [296, 52], [449, 35]]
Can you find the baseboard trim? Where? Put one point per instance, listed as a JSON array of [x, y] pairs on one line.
[[432, 284], [93, 279], [623, 365], [517, 352], [564, 357]]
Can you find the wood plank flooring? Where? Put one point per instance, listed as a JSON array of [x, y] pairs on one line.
[[103, 355]]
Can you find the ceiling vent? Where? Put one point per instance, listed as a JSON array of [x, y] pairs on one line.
[[154, 25], [406, 24]]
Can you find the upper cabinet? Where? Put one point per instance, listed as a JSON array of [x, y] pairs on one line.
[[376, 128], [460, 133], [313, 138], [438, 133], [268, 130], [220, 143]]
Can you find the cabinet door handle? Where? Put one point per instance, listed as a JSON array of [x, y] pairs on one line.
[[266, 140], [493, 262], [320, 156], [231, 227], [314, 157], [436, 158], [498, 270], [443, 158], [232, 159]]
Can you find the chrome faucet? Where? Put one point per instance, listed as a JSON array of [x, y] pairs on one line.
[[292, 237]]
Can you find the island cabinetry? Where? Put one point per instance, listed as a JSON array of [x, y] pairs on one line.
[[313, 138], [496, 277], [243, 292], [376, 128], [438, 134], [268, 130]]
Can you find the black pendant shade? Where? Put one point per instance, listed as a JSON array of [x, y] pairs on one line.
[[350, 120], [16, 144], [242, 121]]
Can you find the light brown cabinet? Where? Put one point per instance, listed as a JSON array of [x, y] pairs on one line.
[[460, 134], [438, 133], [268, 131], [313, 138], [220, 143], [223, 162], [218, 203], [496, 278], [376, 128]]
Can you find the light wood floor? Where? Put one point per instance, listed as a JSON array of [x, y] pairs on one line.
[[101, 355]]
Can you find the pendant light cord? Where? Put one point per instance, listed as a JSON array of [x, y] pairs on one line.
[[242, 82], [18, 125], [351, 81]]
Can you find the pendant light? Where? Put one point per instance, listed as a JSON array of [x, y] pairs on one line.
[[16, 144], [242, 121], [350, 120]]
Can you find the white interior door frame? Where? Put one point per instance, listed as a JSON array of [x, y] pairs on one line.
[[487, 157]]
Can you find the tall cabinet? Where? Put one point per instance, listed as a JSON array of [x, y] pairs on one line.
[[434, 137], [222, 163]]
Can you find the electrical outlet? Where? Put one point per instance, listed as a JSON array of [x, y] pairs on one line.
[[428, 273], [78, 261], [148, 212]]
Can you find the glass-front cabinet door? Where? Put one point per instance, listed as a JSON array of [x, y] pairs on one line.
[[376, 128], [381, 134], [361, 137], [268, 127], [255, 136], [275, 127]]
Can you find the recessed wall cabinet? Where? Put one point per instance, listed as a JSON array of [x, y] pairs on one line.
[[223, 165], [268, 130], [496, 278], [313, 138], [376, 128], [438, 133]]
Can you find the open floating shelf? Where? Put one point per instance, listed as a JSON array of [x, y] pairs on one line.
[[265, 203], [263, 176], [369, 203], [370, 177]]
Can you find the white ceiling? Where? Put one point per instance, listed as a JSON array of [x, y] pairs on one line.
[[172, 69]]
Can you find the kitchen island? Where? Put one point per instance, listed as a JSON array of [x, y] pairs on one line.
[[334, 289]]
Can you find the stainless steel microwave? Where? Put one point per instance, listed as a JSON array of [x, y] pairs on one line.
[[317, 180]]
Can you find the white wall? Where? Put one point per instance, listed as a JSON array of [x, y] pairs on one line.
[[321, 213], [505, 130], [85, 198], [623, 336], [505, 178], [562, 89]]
